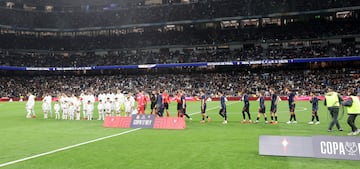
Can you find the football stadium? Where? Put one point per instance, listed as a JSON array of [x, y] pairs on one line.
[[166, 84]]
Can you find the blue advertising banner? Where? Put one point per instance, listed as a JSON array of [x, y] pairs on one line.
[[142, 121], [194, 64]]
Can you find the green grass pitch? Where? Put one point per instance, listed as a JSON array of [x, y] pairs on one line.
[[209, 145]]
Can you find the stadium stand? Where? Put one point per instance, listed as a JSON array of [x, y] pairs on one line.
[[137, 33]]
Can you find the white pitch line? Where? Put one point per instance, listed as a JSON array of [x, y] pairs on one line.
[[66, 148]]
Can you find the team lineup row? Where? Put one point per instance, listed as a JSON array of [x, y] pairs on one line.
[[120, 104]]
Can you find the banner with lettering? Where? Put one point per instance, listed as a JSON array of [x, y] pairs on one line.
[[334, 147], [145, 121]]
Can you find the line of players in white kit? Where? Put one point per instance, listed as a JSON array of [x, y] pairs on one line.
[[69, 107]]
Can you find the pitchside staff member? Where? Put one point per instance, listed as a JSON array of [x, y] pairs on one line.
[[332, 102], [353, 109], [291, 100], [246, 107]]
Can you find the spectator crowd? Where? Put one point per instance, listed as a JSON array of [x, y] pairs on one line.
[[76, 59], [230, 82]]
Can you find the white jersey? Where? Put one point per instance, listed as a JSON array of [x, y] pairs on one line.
[[121, 98], [31, 102], [102, 97], [48, 99], [128, 107], [111, 96], [89, 108], [57, 107], [108, 107], [46, 105], [101, 107], [132, 101], [91, 98], [62, 102], [116, 106], [71, 109]]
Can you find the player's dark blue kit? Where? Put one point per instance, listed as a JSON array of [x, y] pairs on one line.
[[291, 100], [261, 109], [262, 104], [183, 105], [246, 108], [160, 105], [182, 98], [315, 104], [246, 103], [222, 111], [203, 101], [273, 107]]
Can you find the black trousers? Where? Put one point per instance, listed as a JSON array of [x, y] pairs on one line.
[[351, 121], [334, 112]]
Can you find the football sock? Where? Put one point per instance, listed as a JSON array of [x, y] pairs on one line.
[[294, 117], [312, 118], [249, 115], [275, 118], [265, 118], [317, 118], [272, 118], [243, 113], [257, 118], [221, 114]]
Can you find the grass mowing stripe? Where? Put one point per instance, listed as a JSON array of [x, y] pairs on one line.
[[66, 148]]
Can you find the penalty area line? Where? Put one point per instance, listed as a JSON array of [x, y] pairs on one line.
[[66, 148]]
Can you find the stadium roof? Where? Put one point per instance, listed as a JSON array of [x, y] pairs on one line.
[[70, 3]]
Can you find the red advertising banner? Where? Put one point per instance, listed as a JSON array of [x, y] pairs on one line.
[[175, 123], [111, 122]]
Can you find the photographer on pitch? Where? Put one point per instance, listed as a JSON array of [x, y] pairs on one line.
[[332, 102], [353, 109]]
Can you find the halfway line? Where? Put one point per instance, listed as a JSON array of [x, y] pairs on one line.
[[66, 148]]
